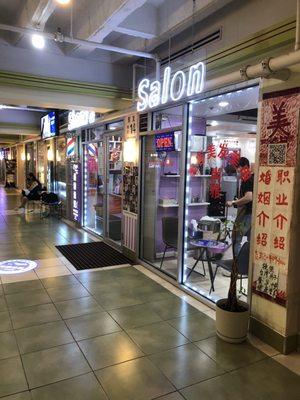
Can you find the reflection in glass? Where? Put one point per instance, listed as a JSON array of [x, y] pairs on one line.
[[217, 134], [114, 189], [94, 186]]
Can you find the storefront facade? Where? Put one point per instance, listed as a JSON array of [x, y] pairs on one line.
[[102, 166]]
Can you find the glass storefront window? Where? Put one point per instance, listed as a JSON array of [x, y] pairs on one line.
[[162, 159], [221, 129], [61, 167], [115, 189], [94, 187], [41, 160]]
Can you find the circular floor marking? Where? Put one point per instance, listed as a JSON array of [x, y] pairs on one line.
[[16, 266]]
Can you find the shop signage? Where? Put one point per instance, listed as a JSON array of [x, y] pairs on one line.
[[275, 194], [71, 146], [165, 141], [76, 191], [173, 88], [131, 126], [76, 119]]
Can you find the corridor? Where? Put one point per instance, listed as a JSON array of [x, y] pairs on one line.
[[117, 333]]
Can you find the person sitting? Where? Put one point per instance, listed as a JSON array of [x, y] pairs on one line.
[[32, 192]]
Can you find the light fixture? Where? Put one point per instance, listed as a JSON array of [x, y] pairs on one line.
[[214, 123], [63, 2], [130, 150], [223, 103], [2, 106], [23, 158], [50, 155], [38, 41]]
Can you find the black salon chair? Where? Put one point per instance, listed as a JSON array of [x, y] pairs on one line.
[[242, 263], [169, 234]]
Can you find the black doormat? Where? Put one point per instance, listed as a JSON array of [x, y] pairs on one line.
[[92, 255]]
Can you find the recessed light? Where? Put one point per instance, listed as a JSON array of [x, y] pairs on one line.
[[38, 41], [223, 103]]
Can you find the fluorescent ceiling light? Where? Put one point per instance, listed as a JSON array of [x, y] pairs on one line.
[[214, 123], [63, 2], [223, 103], [2, 106], [38, 41]]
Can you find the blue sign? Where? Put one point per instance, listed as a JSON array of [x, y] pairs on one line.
[[165, 141], [49, 125]]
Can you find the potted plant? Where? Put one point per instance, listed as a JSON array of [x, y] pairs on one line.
[[232, 314]]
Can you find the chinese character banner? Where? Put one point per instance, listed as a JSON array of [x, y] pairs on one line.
[[274, 202]]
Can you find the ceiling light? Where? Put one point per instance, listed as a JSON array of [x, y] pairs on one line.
[[38, 41], [223, 103], [2, 106], [63, 2], [214, 123]]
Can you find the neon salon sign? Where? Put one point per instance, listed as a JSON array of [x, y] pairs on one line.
[[172, 88], [76, 119]]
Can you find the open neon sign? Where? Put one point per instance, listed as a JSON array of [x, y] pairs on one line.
[[181, 84]]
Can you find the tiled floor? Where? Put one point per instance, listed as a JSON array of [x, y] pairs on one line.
[[116, 334]]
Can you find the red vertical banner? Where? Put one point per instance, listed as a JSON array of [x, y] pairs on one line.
[[274, 202]]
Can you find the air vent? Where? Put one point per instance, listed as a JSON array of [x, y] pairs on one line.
[[197, 45], [143, 122]]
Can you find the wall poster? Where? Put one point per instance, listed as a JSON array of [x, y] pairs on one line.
[[274, 203]]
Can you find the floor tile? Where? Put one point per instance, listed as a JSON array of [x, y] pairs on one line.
[[134, 316], [91, 325], [75, 308], [185, 365], [19, 287], [156, 337], [3, 306], [29, 316], [290, 361], [5, 323], [8, 345], [53, 365], [43, 336], [84, 387], [173, 308], [172, 396], [59, 281], [196, 326], [27, 299], [230, 356], [265, 379], [19, 396], [26, 276], [67, 293], [111, 301], [134, 380], [12, 378], [52, 271], [107, 350]]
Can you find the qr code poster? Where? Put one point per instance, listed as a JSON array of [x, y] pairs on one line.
[[277, 154], [279, 128]]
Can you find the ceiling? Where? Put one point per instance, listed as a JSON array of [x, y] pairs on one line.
[[132, 24]]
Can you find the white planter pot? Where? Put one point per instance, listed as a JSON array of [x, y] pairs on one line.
[[232, 327]]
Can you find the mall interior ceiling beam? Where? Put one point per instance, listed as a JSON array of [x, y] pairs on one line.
[[35, 14], [99, 25], [134, 32], [80, 42]]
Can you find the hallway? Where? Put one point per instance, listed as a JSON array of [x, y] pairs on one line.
[[117, 333]]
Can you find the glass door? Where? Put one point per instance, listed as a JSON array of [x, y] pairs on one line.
[[161, 191], [114, 187], [94, 194]]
